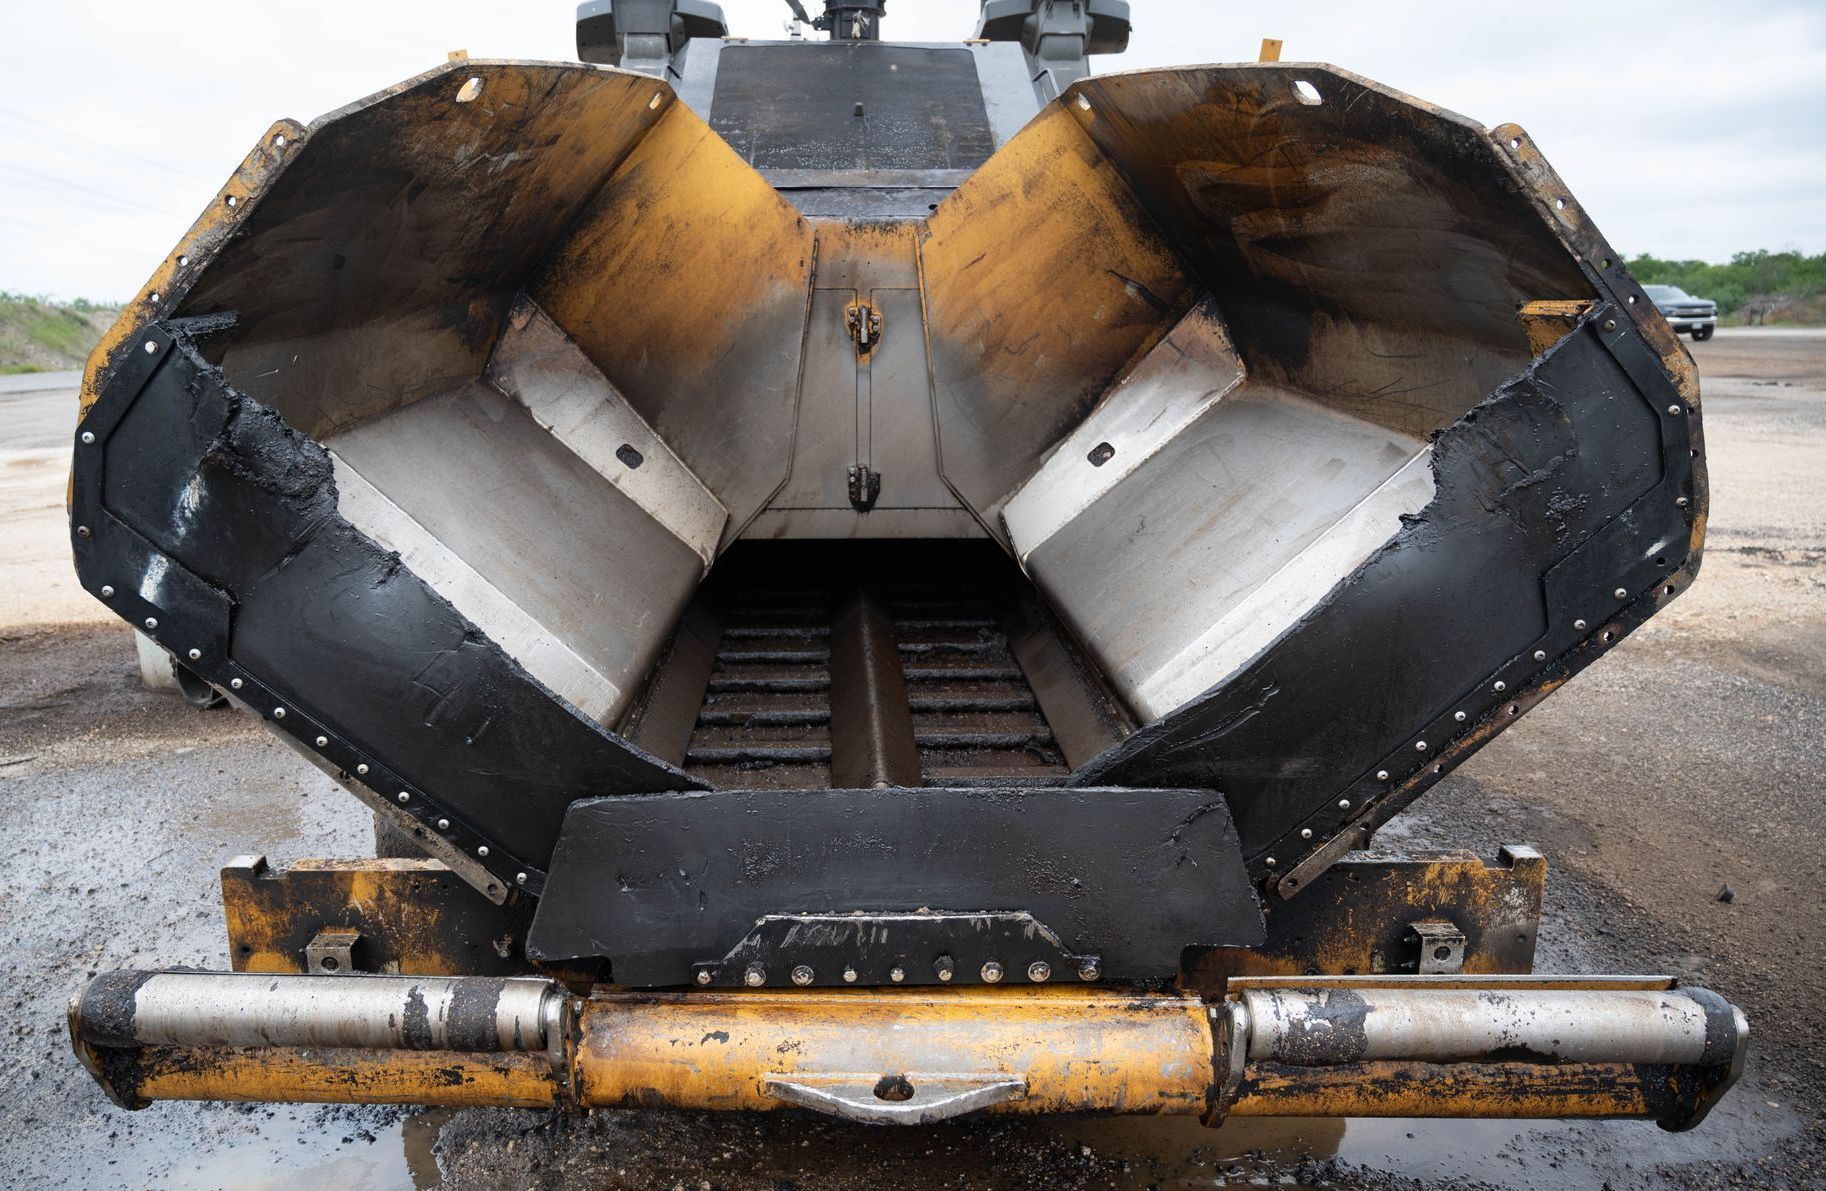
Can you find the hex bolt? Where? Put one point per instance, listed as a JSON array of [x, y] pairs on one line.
[[1674, 409], [1540, 655], [443, 824], [361, 769], [82, 531], [703, 976], [897, 974], [322, 741], [1088, 970], [1621, 593], [152, 622], [195, 654], [1499, 686], [802, 974], [754, 976], [279, 714], [944, 967], [482, 850], [107, 592], [1305, 833], [1579, 625], [1610, 324], [1382, 775], [1343, 804], [849, 975], [1270, 862], [88, 437], [1458, 717], [519, 878], [1420, 746], [1039, 971], [1680, 502], [236, 684], [404, 797]]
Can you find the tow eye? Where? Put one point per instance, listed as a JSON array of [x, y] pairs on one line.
[[895, 1099]]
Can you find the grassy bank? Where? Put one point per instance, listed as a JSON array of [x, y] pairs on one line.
[[39, 336]]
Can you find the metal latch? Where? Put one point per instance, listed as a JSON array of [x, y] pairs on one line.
[[1442, 947], [864, 322], [865, 487], [331, 952]]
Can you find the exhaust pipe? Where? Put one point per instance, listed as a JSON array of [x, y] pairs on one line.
[[1286, 1046]]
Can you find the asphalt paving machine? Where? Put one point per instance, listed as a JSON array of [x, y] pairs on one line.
[[893, 579]]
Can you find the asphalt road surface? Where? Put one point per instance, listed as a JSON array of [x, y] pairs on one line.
[[1689, 759]]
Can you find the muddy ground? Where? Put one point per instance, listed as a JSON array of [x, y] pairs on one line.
[[1690, 759]]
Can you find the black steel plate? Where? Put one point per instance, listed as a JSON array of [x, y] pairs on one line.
[[660, 883]]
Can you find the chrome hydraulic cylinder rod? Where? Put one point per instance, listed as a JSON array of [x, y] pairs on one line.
[[449, 1013]]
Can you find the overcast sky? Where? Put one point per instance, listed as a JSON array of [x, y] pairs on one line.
[[1687, 130]]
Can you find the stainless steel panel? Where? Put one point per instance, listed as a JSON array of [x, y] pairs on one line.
[[535, 521]]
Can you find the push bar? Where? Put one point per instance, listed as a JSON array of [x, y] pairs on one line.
[[1446, 1046]]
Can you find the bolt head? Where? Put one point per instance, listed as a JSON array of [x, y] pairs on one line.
[[443, 824], [152, 622], [88, 437], [195, 654], [992, 973], [1499, 686], [754, 976], [897, 974], [361, 769], [1343, 804], [404, 797], [107, 591], [1088, 970], [1680, 502], [1382, 775], [849, 975], [519, 878], [482, 850], [82, 531], [1674, 409], [1420, 746], [279, 714], [1610, 324], [1305, 833], [802, 975], [1270, 862], [1458, 716], [322, 741], [236, 684], [1579, 625], [703, 976], [1621, 593], [1540, 655], [1039, 971]]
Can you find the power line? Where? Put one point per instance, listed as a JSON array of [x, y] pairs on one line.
[[34, 180], [68, 134]]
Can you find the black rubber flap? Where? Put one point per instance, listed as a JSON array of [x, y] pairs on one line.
[[656, 883], [214, 526]]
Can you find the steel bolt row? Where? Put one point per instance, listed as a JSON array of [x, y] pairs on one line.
[[944, 967]]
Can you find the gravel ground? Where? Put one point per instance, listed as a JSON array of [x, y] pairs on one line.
[[1689, 759]]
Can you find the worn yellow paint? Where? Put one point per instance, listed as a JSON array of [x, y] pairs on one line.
[[1271, 50], [1549, 320], [329, 1076], [1078, 1049], [1392, 1089]]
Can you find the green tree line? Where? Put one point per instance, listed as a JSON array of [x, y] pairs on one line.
[[1755, 284]]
